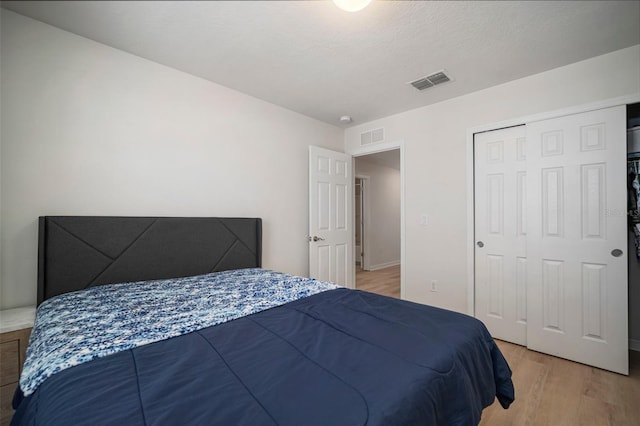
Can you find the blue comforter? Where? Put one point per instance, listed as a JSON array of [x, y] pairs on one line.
[[81, 326], [339, 357]]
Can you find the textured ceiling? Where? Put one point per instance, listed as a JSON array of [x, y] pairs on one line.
[[310, 57]]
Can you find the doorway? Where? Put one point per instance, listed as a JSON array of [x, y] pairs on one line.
[[377, 223]]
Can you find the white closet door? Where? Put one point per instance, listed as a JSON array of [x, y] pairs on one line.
[[576, 238], [500, 226]]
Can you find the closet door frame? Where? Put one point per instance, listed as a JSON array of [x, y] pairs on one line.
[[622, 100]]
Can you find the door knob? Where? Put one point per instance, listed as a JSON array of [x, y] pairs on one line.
[[480, 244], [315, 238], [616, 252]]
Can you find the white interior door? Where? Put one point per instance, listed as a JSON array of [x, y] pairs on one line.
[[576, 239], [500, 227], [330, 216]]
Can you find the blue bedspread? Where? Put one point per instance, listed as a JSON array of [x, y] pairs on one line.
[[339, 357], [78, 327]]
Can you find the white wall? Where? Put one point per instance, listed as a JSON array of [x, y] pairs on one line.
[[383, 230], [435, 143], [91, 130]]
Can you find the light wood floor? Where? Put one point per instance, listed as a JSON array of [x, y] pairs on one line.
[[550, 391], [383, 281], [553, 391]]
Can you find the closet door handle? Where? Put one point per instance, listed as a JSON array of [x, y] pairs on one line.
[[480, 244]]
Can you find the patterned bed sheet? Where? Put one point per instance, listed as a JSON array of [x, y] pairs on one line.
[[78, 327]]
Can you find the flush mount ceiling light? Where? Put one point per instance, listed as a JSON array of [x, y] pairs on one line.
[[352, 5]]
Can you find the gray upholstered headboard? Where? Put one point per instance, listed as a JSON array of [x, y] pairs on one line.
[[76, 252]]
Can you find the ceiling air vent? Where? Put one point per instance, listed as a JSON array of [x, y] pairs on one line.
[[431, 80], [372, 136]]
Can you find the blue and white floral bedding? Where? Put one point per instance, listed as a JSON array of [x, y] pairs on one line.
[[78, 327]]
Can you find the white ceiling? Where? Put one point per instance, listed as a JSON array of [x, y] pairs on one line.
[[310, 57]]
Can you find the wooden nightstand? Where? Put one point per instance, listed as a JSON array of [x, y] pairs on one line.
[[15, 327]]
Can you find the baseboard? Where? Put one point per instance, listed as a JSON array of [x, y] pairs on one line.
[[383, 265], [634, 345]]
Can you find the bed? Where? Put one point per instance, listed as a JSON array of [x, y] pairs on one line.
[[147, 320]]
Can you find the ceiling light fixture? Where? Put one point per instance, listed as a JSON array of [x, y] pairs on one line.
[[351, 5], [346, 119]]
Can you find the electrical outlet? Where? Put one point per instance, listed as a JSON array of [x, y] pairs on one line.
[[434, 285]]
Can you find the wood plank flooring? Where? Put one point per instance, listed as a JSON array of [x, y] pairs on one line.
[[554, 391], [382, 281], [550, 391]]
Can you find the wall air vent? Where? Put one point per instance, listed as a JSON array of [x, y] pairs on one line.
[[372, 136], [431, 80]]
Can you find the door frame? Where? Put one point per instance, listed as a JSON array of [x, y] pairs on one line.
[[364, 241], [607, 103], [373, 149]]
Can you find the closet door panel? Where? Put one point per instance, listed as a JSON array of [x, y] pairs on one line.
[[576, 190], [500, 225]]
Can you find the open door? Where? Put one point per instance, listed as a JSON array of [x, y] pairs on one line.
[[331, 216]]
